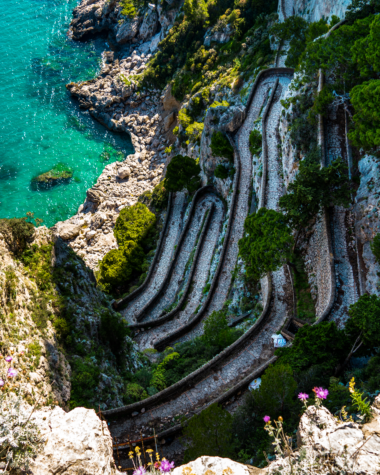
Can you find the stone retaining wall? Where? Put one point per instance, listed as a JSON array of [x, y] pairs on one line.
[[200, 193]]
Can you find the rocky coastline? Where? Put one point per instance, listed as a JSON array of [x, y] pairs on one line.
[[113, 100]]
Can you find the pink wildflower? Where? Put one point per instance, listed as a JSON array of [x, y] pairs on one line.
[[12, 372], [166, 466], [139, 471], [321, 393], [8, 359], [266, 419], [1, 383], [303, 396]]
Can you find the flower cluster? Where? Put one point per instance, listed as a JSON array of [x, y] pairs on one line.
[[157, 467], [11, 372]]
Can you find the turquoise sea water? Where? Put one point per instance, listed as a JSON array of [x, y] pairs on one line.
[[40, 126]]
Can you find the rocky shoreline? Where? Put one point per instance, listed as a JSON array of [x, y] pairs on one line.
[[113, 100]]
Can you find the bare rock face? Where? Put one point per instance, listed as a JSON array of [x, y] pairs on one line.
[[322, 439], [367, 218], [150, 23], [127, 30], [169, 102], [77, 443], [316, 9], [232, 119], [66, 230], [124, 172], [216, 466]]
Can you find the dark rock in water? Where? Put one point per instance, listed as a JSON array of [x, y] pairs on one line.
[[60, 173]]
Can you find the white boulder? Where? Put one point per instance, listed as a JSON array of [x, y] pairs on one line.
[[216, 466], [123, 172], [77, 442]]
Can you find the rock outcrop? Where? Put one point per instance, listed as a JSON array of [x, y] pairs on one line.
[[327, 445], [367, 220], [41, 367], [77, 443], [216, 466]]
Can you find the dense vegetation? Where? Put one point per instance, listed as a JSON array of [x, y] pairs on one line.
[[316, 358], [182, 173], [64, 299], [352, 52], [176, 363], [136, 232]]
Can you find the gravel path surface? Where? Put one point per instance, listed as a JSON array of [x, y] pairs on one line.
[[146, 339], [172, 234], [178, 276], [342, 228]]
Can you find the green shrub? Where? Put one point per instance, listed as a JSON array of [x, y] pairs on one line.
[[209, 433], [182, 173], [217, 332], [17, 232], [322, 344], [375, 247], [35, 350], [84, 379], [221, 172], [160, 196], [195, 131], [372, 374], [134, 393], [221, 147], [117, 266], [133, 224], [158, 378], [267, 244], [275, 395], [255, 142], [184, 118]]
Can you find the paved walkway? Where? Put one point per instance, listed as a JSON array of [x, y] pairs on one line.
[[245, 359], [172, 234], [342, 228]]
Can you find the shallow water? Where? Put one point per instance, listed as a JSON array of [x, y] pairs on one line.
[[40, 126]]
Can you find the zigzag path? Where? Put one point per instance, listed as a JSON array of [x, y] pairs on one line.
[[236, 362]]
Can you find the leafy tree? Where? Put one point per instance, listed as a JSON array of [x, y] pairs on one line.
[[255, 142], [364, 323], [314, 188], [182, 172], [209, 433], [366, 102], [133, 224], [361, 8], [196, 11], [160, 196], [267, 244], [324, 345], [221, 147], [375, 247], [366, 50], [217, 332], [299, 33], [275, 395]]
